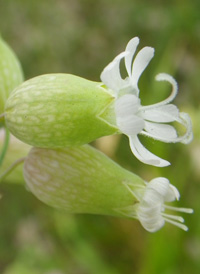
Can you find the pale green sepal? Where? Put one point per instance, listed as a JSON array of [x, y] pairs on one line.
[[11, 74], [58, 110], [128, 211], [80, 180]]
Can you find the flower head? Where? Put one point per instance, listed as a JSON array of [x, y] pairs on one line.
[[152, 206], [131, 117]]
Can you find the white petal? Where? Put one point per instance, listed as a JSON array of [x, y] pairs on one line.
[[149, 215], [160, 185], [160, 132], [144, 155], [154, 226], [111, 76], [130, 49], [126, 105], [173, 194], [150, 218], [152, 198], [141, 61], [163, 114], [125, 108], [130, 125]]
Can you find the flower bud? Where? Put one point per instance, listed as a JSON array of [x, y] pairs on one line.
[[83, 180], [10, 73], [58, 110]]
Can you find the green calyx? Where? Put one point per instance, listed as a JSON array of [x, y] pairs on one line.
[[58, 110], [81, 180], [11, 74]]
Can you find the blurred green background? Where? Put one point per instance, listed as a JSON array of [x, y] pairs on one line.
[[82, 37]]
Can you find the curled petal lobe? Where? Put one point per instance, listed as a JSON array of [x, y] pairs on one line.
[[144, 155], [167, 133], [172, 81], [186, 121]]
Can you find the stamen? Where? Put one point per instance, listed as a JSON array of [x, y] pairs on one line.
[[178, 218], [180, 209], [182, 226]]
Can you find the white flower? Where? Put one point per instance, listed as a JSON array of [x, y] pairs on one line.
[[151, 208], [131, 117]]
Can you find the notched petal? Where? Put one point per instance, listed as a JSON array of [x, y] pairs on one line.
[[111, 76], [131, 49], [141, 61]]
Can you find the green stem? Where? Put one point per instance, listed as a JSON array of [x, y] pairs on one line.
[[2, 116], [10, 169], [5, 146]]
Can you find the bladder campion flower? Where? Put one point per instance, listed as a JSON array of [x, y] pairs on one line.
[[59, 110], [131, 117], [10, 73], [84, 180]]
